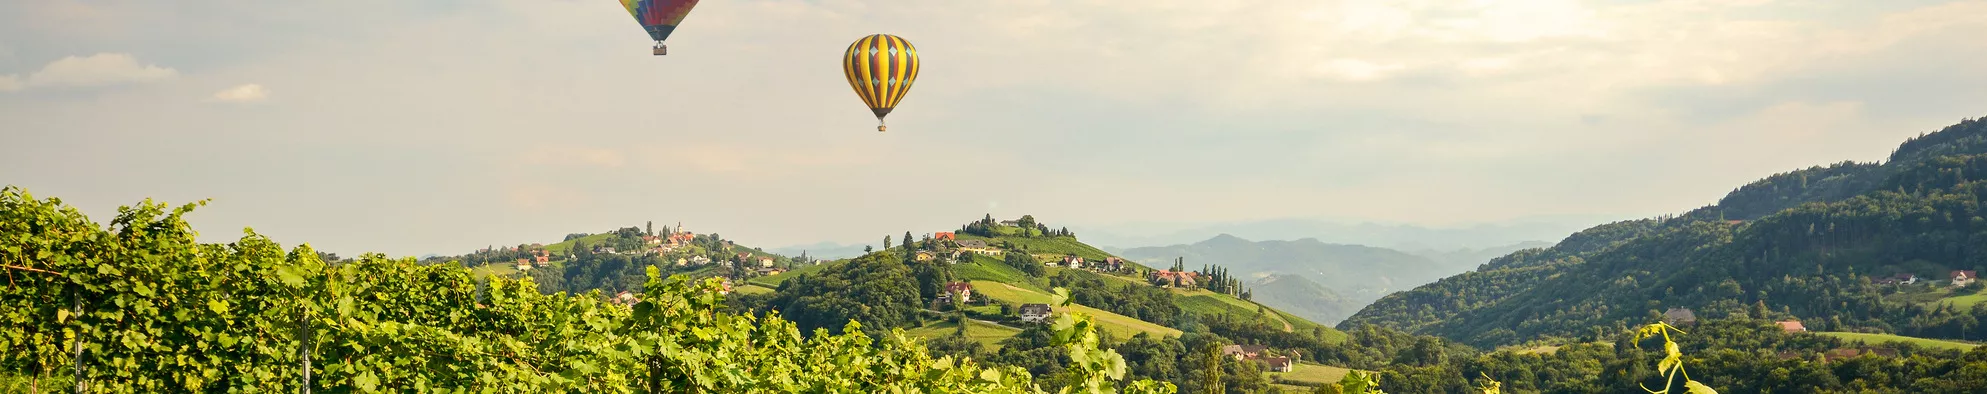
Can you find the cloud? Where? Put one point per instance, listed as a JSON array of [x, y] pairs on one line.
[[576, 155], [9, 83], [102, 69], [242, 94]]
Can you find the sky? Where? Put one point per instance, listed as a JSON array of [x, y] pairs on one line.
[[415, 127]]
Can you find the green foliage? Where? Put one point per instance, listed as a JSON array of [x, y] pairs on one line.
[[1672, 365], [154, 311]]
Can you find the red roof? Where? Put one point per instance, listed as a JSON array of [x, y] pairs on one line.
[[1967, 273], [1792, 326]]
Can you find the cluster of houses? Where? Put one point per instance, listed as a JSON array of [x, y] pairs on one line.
[[1255, 353], [539, 259], [1956, 278], [668, 243], [1171, 278]]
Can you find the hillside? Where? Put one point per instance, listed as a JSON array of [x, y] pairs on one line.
[[1807, 244], [1354, 274], [1302, 297], [1007, 267]]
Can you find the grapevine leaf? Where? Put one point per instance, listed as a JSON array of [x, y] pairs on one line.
[[1698, 388]]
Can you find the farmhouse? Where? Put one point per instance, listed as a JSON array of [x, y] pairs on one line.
[[962, 289], [1174, 278], [1962, 278], [1034, 313], [1243, 352], [1278, 364], [1792, 326], [944, 235], [1072, 261], [978, 246]]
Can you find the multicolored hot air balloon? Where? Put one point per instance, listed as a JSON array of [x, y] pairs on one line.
[[881, 68], [659, 17]]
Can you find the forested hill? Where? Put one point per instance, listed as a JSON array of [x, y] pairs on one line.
[[1811, 244]]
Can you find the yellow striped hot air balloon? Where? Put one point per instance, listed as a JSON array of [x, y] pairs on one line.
[[881, 68]]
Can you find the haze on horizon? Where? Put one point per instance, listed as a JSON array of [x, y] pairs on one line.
[[442, 126]]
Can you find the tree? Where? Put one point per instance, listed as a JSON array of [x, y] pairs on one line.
[[650, 227], [886, 242], [908, 247]]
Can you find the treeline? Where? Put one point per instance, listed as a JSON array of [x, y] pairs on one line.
[[143, 307], [1025, 227]]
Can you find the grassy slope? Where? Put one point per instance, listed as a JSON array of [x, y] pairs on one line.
[[1197, 301], [562, 247], [1119, 325], [1874, 339], [1965, 302], [773, 281], [1057, 245], [1305, 371], [984, 333], [488, 270], [752, 289]]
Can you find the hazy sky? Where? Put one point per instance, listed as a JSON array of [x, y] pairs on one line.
[[412, 127]]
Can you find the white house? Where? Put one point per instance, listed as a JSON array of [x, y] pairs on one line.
[[1962, 278], [1035, 313]]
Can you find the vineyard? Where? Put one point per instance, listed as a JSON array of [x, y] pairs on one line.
[[140, 306]]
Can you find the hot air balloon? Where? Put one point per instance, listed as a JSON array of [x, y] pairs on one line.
[[659, 17], [881, 68]]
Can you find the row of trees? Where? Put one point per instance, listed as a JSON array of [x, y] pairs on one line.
[[1026, 227]]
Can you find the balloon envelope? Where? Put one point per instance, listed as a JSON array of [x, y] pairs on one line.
[[659, 17], [881, 68]]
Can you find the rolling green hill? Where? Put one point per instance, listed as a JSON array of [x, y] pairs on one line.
[[1199, 302], [998, 280], [1801, 245]]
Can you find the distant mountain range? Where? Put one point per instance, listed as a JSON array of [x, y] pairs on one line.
[[1399, 237], [1324, 282]]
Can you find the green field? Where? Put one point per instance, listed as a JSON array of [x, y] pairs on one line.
[[751, 289], [1119, 325], [1057, 245], [1312, 373], [774, 281], [1964, 302], [990, 269], [982, 332], [488, 270], [562, 247], [1876, 339], [1209, 303]]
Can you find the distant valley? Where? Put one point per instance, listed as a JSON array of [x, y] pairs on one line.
[[1323, 282]]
